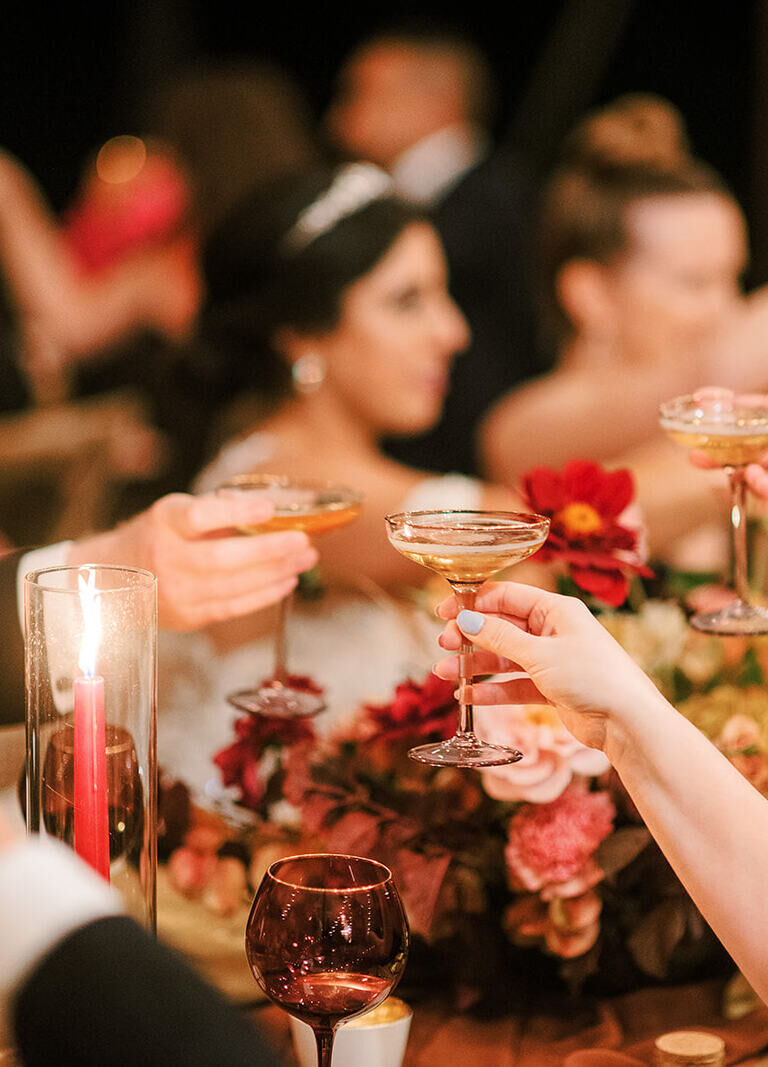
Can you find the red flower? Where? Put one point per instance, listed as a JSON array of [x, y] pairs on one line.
[[585, 505], [239, 762], [416, 711]]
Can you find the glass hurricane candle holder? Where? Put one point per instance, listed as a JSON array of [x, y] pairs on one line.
[[91, 721]]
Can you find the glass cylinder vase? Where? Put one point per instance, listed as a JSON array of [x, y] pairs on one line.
[[91, 721]]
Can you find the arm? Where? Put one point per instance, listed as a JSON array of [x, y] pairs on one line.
[[85, 985], [205, 570], [711, 824], [79, 313]]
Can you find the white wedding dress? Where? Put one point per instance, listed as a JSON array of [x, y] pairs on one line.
[[357, 645]]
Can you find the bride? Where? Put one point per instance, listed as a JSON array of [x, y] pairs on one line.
[[327, 297]]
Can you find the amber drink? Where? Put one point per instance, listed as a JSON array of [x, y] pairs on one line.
[[466, 548], [732, 431], [315, 508]]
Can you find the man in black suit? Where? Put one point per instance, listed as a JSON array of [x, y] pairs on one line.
[[81, 984], [419, 104]]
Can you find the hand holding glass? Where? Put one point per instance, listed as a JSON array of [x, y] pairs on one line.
[[732, 431], [466, 548], [313, 507]]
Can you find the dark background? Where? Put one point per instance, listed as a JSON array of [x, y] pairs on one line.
[[70, 77]]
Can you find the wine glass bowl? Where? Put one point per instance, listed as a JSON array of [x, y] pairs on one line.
[[327, 939], [732, 431], [125, 793], [313, 507], [466, 548]]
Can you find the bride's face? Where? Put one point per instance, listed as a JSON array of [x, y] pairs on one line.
[[389, 357], [679, 279]]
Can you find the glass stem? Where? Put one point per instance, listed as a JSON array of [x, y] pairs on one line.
[[280, 672], [324, 1040], [465, 598], [739, 532]]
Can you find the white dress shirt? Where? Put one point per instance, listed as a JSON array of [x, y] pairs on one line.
[[426, 172]]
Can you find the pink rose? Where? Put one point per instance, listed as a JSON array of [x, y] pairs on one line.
[[551, 754], [740, 740], [552, 844]]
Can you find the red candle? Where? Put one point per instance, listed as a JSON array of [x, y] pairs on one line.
[[90, 799]]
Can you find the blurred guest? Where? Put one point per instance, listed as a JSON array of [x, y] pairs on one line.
[[332, 294], [232, 125], [58, 313], [228, 126], [641, 248], [420, 104]]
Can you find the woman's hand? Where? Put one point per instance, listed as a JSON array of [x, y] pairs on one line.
[[206, 571], [755, 474], [558, 651]]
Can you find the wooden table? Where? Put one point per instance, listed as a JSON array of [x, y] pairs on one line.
[[630, 1023]]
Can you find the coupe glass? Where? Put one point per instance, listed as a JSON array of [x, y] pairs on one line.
[[733, 431], [327, 939], [466, 548], [314, 507]]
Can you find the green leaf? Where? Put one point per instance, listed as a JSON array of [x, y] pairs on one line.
[[751, 671], [657, 935], [619, 849]]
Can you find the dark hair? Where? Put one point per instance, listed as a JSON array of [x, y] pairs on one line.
[[258, 281], [233, 124], [633, 149]]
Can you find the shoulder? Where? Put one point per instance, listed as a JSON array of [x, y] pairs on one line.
[[443, 491], [238, 457]]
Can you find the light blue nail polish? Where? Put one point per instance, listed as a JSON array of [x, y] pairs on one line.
[[471, 622]]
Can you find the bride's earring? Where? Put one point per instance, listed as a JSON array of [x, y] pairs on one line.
[[308, 372]]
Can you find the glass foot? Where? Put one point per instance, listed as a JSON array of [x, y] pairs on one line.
[[277, 700], [737, 618], [465, 750]]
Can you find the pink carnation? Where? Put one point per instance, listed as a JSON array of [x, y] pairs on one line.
[[552, 844], [551, 755]]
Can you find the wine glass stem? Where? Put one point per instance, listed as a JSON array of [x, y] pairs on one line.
[[324, 1040], [465, 598], [739, 532], [280, 671]]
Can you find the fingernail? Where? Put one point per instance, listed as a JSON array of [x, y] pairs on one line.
[[471, 622]]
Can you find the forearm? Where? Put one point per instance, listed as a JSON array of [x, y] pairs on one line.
[[711, 824]]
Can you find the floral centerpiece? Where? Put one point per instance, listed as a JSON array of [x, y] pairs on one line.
[[540, 871]]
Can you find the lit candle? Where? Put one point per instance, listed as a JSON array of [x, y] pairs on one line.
[[90, 799]]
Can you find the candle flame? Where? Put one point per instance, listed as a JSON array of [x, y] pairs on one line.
[[91, 605]]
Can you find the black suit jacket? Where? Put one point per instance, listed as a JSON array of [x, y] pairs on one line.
[[484, 222], [110, 994]]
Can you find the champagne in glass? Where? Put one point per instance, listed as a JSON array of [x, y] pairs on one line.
[[327, 940], [313, 507], [732, 431], [466, 548]]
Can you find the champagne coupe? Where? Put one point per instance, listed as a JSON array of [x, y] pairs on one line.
[[466, 548], [314, 507], [327, 940], [733, 431]]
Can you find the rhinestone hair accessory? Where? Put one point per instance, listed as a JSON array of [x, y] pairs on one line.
[[353, 187]]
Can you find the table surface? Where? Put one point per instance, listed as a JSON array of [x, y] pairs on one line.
[[629, 1023]]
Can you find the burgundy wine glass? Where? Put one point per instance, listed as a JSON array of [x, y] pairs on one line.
[[327, 939]]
